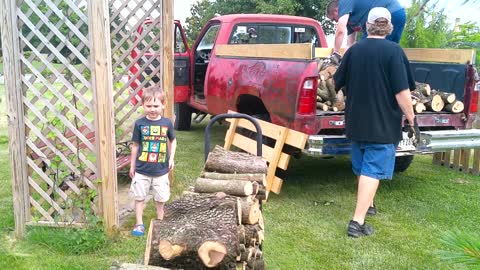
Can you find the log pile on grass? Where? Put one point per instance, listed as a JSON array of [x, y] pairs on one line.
[[220, 224]]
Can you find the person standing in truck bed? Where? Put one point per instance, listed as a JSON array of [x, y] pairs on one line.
[[351, 17], [374, 73]]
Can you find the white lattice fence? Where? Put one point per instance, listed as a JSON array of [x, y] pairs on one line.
[[58, 79], [136, 30], [57, 97]]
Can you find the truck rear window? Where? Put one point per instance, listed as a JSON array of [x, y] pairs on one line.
[[273, 34]]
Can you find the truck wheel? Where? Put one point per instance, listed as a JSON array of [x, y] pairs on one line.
[[183, 116], [402, 163]]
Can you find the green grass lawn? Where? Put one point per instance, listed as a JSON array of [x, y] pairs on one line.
[[305, 224]]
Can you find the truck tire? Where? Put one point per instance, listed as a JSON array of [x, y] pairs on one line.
[[402, 163], [183, 116]]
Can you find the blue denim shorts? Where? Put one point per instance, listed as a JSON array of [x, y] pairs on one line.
[[373, 159]]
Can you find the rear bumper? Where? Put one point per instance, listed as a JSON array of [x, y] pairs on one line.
[[325, 146], [431, 141]]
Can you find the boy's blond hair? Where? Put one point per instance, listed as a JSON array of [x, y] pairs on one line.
[[153, 92]]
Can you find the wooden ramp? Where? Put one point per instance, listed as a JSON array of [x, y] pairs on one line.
[[274, 155]]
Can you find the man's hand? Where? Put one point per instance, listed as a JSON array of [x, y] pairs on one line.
[[132, 172], [335, 58], [413, 132]]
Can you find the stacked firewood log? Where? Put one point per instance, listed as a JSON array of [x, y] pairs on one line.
[[217, 225], [426, 99], [327, 98], [423, 98]]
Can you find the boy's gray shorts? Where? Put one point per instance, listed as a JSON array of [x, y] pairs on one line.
[[141, 185]]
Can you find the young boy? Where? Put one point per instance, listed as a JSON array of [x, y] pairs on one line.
[[153, 149]]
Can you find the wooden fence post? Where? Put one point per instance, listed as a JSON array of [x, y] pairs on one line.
[[15, 114], [102, 82], [167, 63], [167, 55]]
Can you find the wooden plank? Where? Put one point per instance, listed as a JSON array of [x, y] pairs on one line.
[[277, 185], [250, 146], [446, 160], [230, 133], [295, 138], [456, 159], [99, 25], [459, 56], [272, 166], [167, 63], [299, 51], [437, 158], [167, 56], [476, 162], [15, 115], [57, 224], [465, 160], [42, 211]]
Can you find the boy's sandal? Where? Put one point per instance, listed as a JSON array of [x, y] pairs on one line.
[[138, 230]]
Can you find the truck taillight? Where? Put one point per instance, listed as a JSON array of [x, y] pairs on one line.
[[474, 101], [307, 101]]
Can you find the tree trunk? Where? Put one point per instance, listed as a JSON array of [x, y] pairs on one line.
[[223, 161], [250, 211], [446, 97], [322, 106], [455, 107], [419, 107], [197, 232], [323, 92], [253, 232], [424, 88], [257, 177], [436, 104], [232, 187]]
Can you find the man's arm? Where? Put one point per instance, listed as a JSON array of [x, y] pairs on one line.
[[351, 39], [133, 158], [404, 100], [340, 32]]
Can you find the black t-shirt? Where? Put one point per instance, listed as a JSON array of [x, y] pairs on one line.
[[153, 153], [373, 71]]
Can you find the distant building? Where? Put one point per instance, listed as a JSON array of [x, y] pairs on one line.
[[456, 28]]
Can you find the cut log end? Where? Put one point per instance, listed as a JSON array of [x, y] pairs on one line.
[[212, 253], [169, 251], [455, 107], [436, 104]]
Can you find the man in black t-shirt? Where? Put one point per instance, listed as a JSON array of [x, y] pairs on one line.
[[374, 72]]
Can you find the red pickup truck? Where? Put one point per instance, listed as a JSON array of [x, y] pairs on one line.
[[283, 91]]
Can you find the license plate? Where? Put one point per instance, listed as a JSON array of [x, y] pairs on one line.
[[406, 144], [337, 123], [440, 120]]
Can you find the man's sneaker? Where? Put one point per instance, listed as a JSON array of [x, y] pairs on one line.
[[138, 230], [357, 230], [372, 210]]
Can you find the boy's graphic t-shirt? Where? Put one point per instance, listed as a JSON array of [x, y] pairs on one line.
[[152, 137]]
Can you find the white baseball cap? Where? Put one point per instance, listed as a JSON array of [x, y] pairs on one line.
[[377, 13]]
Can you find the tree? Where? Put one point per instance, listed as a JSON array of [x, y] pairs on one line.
[[204, 10], [54, 19], [467, 37], [425, 27]]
